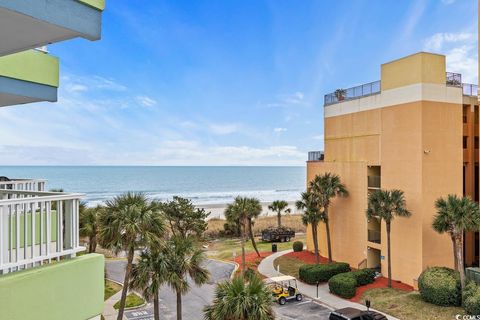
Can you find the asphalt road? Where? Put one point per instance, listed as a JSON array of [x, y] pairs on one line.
[[193, 302], [198, 297]]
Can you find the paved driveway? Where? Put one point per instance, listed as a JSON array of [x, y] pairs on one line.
[[193, 302], [305, 310]]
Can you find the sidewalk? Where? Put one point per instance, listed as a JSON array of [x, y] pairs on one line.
[[109, 312], [324, 296]]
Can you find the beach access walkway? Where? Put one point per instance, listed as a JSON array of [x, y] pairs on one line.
[[324, 296]]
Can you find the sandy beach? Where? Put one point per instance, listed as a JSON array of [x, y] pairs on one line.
[[216, 210]]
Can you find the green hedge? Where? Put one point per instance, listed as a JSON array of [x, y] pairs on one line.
[[314, 273], [364, 276], [440, 286], [471, 298], [343, 285], [297, 246]]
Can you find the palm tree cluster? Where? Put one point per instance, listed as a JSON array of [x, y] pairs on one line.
[[167, 236], [315, 203]]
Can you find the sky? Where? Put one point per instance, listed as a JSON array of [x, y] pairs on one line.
[[233, 82]]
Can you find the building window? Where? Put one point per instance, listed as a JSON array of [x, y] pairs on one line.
[[465, 142], [465, 114], [476, 143]]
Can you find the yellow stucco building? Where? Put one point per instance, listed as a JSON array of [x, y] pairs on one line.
[[415, 130]]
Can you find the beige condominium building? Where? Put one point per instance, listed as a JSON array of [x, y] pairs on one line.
[[416, 130]]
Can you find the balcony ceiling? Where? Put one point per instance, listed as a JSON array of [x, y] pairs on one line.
[[28, 24], [15, 92]]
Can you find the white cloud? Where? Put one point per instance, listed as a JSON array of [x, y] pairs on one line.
[[279, 130], [318, 137], [461, 52], [75, 87], [289, 100], [223, 129], [146, 101]]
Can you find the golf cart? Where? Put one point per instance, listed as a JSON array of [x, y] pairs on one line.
[[284, 288]]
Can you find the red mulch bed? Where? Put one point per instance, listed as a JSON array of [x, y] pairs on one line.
[[380, 283], [251, 259], [306, 256]]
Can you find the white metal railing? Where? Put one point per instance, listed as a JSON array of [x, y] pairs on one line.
[[36, 227], [23, 184], [315, 155]]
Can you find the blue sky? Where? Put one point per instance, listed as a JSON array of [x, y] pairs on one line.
[[237, 82]]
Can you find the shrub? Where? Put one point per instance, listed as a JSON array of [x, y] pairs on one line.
[[343, 285], [440, 286], [314, 273], [471, 298], [298, 246], [364, 276]]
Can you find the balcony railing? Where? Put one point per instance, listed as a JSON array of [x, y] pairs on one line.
[[454, 79], [22, 184], [470, 89], [315, 156], [363, 90], [374, 181], [36, 227], [374, 236]]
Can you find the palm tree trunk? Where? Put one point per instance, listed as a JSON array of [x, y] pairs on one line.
[[315, 242], [92, 244], [389, 259], [156, 307], [329, 243], [126, 280], [179, 305], [455, 259], [250, 230], [242, 230], [461, 270], [279, 218]]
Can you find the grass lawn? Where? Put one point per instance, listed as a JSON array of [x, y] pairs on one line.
[[288, 265], [223, 248], [408, 305], [111, 288], [132, 301]]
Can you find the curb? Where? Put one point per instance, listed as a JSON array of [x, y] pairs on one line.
[[236, 265]]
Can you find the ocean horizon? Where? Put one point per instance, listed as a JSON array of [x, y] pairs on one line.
[[204, 185]]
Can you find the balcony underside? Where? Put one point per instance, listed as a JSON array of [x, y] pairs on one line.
[[14, 92], [26, 24]]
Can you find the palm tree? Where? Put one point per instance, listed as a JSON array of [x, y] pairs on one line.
[[254, 210], [148, 275], [239, 299], [183, 259], [278, 206], [326, 187], [455, 216], [311, 216], [242, 210], [89, 225], [385, 205], [128, 222]]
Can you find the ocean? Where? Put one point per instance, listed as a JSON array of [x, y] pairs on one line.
[[205, 186]]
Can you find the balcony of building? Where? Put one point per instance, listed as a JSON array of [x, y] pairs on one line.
[[30, 24], [316, 156], [29, 76], [374, 177], [374, 234], [36, 226]]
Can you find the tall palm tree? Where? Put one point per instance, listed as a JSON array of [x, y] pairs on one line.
[[148, 275], [326, 187], [183, 259], [88, 219], [238, 299], [311, 216], [128, 222], [278, 206], [455, 216], [385, 205], [254, 210], [241, 210]]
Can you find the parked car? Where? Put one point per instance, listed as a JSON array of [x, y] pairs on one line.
[[355, 314], [278, 234]]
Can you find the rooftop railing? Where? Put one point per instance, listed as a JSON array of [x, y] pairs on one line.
[[469, 89], [315, 156], [37, 227], [453, 79], [363, 90], [22, 184]]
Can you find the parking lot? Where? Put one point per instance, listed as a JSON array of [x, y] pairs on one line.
[[306, 310]]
